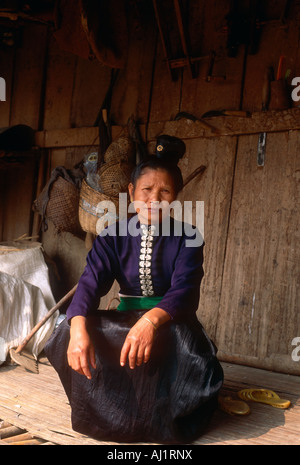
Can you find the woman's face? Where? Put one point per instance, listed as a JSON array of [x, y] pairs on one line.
[[152, 188]]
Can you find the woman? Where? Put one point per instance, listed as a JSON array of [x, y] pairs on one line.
[[147, 372]]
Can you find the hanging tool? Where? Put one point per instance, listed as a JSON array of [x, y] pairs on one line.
[[209, 75], [184, 114], [281, 64], [285, 11], [103, 121], [164, 38], [25, 358], [196, 172], [183, 37], [135, 134], [243, 26], [262, 138], [237, 113], [163, 17]]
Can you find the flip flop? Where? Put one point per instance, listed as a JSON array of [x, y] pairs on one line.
[[233, 407], [253, 392], [265, 396]]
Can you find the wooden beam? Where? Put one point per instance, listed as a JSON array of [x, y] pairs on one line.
[[269, 121]]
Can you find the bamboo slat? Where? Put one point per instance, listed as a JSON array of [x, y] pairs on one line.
[[14, 436], [37, 404]]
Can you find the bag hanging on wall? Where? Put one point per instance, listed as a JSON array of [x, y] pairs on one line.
[[58, 201]]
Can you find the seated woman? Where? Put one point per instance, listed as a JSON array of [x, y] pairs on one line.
[[146, 372]]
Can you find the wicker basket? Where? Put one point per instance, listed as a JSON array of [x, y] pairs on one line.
[[88, 212], [115, 177], [62, 206], [121, 149]]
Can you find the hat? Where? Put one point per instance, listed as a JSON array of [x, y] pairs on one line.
[[170, 148], [16, 138]]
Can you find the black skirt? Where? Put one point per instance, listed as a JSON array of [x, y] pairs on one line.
[[168, 400]]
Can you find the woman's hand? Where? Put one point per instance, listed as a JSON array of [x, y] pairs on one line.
[[81, 353], [138, 343]]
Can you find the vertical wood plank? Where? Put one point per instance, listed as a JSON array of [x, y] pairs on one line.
[[57, 158], [28, 77], [258, 314], [91, 83], [287, 44], [132, 91], [166, 94], [206, 23], [59, 87], [213, 187], [19, 182]]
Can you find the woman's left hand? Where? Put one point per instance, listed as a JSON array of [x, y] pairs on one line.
[[138, 344]]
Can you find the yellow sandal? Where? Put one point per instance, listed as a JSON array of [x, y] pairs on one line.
[[265, 396], [233, 407]]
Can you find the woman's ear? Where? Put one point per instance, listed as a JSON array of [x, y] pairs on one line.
[[131, 191]]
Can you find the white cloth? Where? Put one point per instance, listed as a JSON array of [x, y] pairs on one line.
[[25, 298], [29, 265], [22, 306]]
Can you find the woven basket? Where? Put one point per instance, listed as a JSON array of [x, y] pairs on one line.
[[115, 177], [88, 202], [62, 207], [121, 149]]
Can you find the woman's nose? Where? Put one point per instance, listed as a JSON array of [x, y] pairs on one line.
[[155, 196]]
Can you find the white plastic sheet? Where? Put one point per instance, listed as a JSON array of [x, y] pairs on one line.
[[22, 306], [29, 265], [25, 298]]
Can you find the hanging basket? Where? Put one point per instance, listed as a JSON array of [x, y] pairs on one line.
[[62, 206], [115, 177], [121, 149], [91, 214]]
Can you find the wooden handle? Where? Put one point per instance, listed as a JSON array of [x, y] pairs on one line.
[[280, 68], [208, 126], [46, 317], [266, 89], [197, 171], [240, 113]]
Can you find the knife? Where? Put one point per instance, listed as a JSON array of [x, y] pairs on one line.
[[262, 138]]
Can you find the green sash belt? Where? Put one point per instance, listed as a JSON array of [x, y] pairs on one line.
[[138, 303]]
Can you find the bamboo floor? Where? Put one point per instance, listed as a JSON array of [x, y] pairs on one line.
[[34, 410]]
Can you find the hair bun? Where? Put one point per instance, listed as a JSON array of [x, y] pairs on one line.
[[170, 148]]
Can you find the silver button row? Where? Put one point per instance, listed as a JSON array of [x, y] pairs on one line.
[[145, 260]]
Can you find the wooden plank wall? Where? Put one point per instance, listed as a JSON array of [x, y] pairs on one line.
[[250, 294]]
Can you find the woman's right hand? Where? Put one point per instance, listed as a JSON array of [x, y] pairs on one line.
[[81, 353]]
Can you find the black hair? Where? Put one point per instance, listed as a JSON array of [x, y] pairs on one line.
[[169, 150], [155, 163]]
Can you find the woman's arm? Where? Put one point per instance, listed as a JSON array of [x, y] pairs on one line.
[[81, 353], [138, 343], [183, 295], [95, 281]]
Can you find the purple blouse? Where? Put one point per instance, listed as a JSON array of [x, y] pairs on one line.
[[147, 263]]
